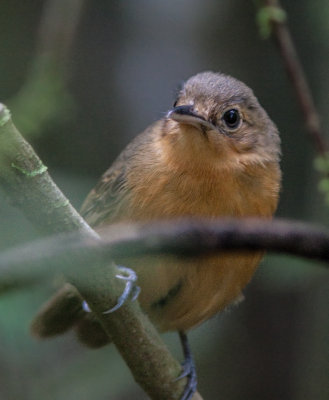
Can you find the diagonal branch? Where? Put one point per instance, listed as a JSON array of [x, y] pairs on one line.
[[29, 187]]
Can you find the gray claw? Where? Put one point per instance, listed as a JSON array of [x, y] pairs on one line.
[[130, 277]]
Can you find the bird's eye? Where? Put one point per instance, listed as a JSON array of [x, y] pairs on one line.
[[232, 118]]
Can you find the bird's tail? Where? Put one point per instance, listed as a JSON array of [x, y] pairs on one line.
[[63, 312]]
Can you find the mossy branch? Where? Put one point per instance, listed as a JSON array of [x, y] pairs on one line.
[[29, 187]]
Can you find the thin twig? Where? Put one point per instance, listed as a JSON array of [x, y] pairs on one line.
[[24, 265], [195, 237], [296, 73]]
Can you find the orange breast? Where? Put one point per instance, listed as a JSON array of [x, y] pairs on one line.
[[201, 287]]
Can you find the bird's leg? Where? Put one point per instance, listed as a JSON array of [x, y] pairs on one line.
[[131, 289], [189, 369]]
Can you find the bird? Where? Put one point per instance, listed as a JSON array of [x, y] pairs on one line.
[[216, 153]]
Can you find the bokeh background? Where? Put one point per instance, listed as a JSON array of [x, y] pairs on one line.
[[82, 78]]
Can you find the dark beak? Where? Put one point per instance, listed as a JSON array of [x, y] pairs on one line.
[[187, 115]]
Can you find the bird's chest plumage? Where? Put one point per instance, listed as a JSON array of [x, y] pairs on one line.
[[220, 193], [179, 294]]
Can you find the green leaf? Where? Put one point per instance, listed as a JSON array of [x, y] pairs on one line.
[[323, 185], [321, 163], [266, 16]]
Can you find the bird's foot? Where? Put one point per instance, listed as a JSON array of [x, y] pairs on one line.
[[189, 370], [131, 289]]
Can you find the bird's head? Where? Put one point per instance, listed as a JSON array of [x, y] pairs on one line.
[[218, 118]]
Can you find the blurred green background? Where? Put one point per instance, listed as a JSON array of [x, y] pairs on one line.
[[82, 78]]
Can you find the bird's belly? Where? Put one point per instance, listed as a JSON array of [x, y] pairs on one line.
[[179, 294]]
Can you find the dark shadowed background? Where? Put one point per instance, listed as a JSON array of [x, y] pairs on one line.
[[117, 76]]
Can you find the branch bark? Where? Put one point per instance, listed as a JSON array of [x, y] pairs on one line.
[[29, 187]]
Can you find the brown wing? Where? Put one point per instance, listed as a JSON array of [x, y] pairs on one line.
[[103, 203], [108, 200]]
